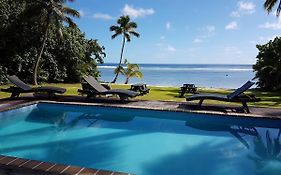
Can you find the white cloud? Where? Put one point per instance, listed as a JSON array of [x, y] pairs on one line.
[[168, 25], [102, 16], [211, 29], [248, 7], [235, 14], [135, 13], [273, 25], [231, 26], [244, 8], [81, 12], [197, 40], [171, 48]]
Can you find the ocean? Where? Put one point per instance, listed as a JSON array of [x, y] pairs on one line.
[[202, 75]]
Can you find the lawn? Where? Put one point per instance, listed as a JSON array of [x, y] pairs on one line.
[[268, 99]]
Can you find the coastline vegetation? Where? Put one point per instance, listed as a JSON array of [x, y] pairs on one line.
[[268, 98]]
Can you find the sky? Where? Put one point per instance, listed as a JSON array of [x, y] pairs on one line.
[[181, 31]]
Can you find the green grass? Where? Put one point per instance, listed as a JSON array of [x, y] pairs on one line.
[[268, 99]]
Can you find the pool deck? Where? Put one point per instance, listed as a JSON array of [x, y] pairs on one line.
[[14, 166]]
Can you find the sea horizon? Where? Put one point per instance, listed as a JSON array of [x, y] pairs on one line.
[[202, 75]]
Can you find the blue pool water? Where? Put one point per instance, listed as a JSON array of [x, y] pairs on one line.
[[142, 142]]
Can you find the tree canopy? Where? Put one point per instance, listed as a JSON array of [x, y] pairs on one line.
[[268, 65], [62, 60]]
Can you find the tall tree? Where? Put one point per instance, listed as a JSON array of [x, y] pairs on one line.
[[269, 4], [126, 28], [53, 13]]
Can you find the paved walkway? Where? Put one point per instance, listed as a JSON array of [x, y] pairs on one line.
[[159, 105]]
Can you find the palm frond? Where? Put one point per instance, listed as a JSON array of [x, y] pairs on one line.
[[70, 22], [132, 25], [127, 36], [114, 28], [269, 4], [71, 12], [134, 33], [278, 9], [120, 69], [136, 73], [115, 35]]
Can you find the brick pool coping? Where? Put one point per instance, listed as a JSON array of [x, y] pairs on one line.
[[13, 165]]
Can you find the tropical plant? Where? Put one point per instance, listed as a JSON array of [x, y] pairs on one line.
[[268, 65], [126, 28], [52, 13], [131, 70], [269, 4]]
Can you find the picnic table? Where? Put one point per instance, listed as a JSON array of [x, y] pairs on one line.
[[140, 87], [187, 88]]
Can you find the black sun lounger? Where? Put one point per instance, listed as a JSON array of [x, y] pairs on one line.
[[95, 88], [236, 96], [21, 87]]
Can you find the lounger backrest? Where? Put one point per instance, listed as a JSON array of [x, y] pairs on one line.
[[94, 83], [16, 81], [240, 90]]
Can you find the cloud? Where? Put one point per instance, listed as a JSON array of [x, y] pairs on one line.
[[102, 16], [162, 37], [247, 6], [244, 8], [211, 29], [231, 26], [171, 48], [235, 14], [168, 25], [135, 13], [273, 25], [197, 40], [81, 12]]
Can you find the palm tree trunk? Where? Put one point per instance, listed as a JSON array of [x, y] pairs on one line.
[[121, 57], [127, 80], [35, 71]]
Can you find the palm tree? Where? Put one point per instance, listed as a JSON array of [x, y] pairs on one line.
[[131, 70], [269, 4], [126, 28], [52, 13]]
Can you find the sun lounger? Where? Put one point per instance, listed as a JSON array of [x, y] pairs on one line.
[[95, 88], [236, 96], [21, 87]]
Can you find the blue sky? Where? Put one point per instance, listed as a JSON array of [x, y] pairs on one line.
[[181, 31]]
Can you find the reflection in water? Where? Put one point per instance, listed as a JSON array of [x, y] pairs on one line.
[[63, 120], [268, 154], [235, 130], [267, 158]]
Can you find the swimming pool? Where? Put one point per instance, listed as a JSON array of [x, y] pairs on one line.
[[144, 142]]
